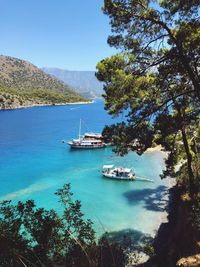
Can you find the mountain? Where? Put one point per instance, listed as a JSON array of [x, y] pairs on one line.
[[23, 84], [85, 82]]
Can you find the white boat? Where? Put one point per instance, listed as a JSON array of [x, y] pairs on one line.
[[118, 173], [87, 141]]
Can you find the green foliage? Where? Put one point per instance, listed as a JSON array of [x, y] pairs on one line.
[[31, 236], [155, 79], [149, 250], [41, 236], [157, 32]]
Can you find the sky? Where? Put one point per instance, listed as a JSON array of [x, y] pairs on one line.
[[68, 34]]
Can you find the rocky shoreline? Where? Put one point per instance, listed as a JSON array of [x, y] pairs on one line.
[[31, 105], [177, 242]]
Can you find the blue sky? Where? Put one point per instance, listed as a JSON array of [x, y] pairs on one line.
[[69, 34]]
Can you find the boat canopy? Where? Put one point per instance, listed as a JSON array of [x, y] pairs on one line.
[[124, 170], [93, 134], [108, 166]]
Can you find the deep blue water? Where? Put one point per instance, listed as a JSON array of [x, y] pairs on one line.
[[34, 163]]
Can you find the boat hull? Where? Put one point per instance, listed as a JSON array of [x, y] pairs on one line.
[[86, 147], [120, 178]]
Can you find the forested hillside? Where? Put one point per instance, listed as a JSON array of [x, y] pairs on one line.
[[23, 84]]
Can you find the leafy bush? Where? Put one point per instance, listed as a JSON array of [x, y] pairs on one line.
[[31, 236]]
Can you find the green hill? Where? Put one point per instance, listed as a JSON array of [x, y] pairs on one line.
[[23, 84]]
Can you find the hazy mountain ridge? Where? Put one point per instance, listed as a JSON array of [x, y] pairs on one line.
[[84, 82], [22, 84]]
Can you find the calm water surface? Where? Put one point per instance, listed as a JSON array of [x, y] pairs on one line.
[[34, 163]]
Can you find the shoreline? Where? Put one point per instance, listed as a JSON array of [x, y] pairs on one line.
[[162, 220], [48, 105], [157, 148], [165, 229], [163, 226]]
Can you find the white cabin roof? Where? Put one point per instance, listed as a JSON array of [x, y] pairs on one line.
[[108, 166], [93, 134]]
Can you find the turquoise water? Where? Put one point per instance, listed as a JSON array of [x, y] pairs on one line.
[[34, 163]]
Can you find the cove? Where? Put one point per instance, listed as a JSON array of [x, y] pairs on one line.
[[34, 163]]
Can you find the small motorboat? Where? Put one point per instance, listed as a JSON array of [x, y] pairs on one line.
[[118, 173]]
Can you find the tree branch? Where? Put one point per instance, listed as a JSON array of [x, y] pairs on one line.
[[160, 106]]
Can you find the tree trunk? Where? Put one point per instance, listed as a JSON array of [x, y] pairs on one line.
[[191, 73], [189, 162], [187, 150]]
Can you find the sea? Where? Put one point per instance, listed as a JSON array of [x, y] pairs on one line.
[[34, 163]]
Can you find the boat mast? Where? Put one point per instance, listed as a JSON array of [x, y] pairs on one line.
[[79, 132]]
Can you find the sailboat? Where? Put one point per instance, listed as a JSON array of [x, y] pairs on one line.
[[87, 141]]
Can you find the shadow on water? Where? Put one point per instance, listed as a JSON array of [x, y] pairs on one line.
[[129, 238], [155, 199]]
